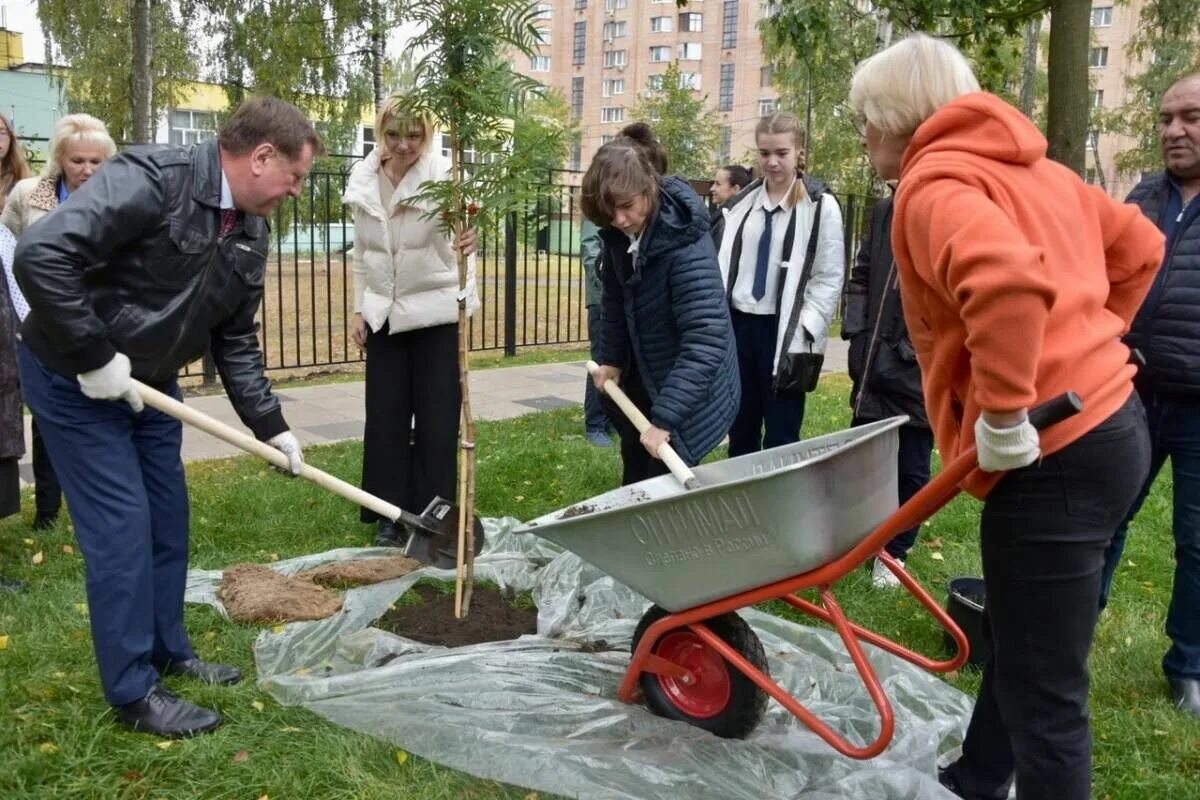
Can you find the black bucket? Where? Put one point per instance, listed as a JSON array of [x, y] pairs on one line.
[[964, 603]]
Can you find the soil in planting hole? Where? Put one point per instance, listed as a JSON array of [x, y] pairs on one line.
[[492, 619]]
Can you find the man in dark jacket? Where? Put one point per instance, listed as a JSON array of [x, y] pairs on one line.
[[159, 256], [1167, 332], [883, 367]]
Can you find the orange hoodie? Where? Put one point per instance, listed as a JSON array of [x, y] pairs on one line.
[[1017, 278]]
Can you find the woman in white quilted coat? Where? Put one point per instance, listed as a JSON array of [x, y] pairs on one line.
[[406, 319]]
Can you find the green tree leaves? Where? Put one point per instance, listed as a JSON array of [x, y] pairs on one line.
[[688, 132]]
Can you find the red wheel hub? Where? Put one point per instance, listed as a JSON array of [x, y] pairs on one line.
[[707, 692]]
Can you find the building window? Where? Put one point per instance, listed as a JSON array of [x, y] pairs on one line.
[[662, 24], [766, 76], [1102, 17], [726, 94], [689, 80], [766, 106], [613, 86], [539, 64], [1099, 57], [605, 138], [614, 30], [1093, 140], [660, 54], [729, 25], [689, 51], [543, 11], [654, 83], [576, 155], [691, 22], [368, 137], [726, 144], [580, 5], [580, 43], [577, 97], [1089, 175], [615, 58], [1098, 98], [612, 114], [542, 35], [615, 5], [192, 127]]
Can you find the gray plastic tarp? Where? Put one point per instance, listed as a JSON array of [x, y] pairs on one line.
[[541, 712]]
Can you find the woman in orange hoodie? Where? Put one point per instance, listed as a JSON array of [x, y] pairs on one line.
[[1017, 281]]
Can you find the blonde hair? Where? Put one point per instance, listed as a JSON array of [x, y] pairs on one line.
[[899, 88], [785, 122], [391, 109], [76, 128]]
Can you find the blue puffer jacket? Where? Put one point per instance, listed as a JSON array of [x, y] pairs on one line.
[[667, 310], [1167, 328]]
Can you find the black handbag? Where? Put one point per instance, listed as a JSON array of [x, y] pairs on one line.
[[797, 374]]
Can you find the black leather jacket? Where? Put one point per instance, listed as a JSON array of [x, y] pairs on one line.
[[131, 263]]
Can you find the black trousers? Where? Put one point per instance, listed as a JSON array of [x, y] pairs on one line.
[[636, 462], [764, 419], [1044, 532], [47, 494], [912, 466], [413, 400]]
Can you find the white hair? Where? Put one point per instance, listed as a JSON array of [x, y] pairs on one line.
[[76, 128], [899, 88]]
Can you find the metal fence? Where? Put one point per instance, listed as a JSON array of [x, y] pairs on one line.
[[529, 276]]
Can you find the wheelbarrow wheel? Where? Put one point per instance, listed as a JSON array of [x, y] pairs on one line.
[[719, 699]]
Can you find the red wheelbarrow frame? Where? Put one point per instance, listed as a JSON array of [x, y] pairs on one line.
[[924, 504]]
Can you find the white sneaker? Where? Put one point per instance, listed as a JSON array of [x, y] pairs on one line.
[[883, 578]]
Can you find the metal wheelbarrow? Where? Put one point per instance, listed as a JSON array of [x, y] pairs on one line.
[[760, 527]]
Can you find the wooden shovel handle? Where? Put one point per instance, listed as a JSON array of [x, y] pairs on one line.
[[666, 453], [172, 407]]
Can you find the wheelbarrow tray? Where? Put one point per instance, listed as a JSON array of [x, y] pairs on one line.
[[754, 520]]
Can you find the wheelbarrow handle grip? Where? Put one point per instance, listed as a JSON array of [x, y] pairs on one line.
[[666, 453], [244, 441], [1054, 411]]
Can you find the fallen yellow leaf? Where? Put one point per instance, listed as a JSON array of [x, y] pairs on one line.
[[276, 629], [210, 635], [264, 797], [81, 608], [937, 556], [274, 557], [164, 745], [68, 550], [401, 757], [241, 757], [258, 705], [49, 748], [4, 642], [60, 675], [290, 729], [531, 796], [38, 558], [28, 542]]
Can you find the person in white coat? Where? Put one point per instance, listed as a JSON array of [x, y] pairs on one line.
[[783, 221], [406, 319]]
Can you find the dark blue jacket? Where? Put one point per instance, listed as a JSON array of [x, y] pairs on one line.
[[1167, 328], [667, 312]]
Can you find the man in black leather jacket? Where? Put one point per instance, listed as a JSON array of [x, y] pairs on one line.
[[158, 257], [883, 368]]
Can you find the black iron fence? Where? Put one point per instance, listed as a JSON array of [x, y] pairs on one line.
[[529, 276]]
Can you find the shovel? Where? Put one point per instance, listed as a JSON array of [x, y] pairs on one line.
[[666, 453], [432, 536]]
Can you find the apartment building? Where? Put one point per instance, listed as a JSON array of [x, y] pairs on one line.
[[1113, 24], [604, 55]]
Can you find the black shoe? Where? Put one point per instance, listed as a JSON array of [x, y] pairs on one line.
[[946, 779], [44, 522], [11, 585], [162, 713], [1186, 694], [203, 670], [390, 534]]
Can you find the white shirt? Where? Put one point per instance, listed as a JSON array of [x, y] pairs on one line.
[[226, 193], [743, 287], [635, 241]]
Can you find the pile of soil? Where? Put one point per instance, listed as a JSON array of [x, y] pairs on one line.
[[257, 594], [347, 574], [492, 619]]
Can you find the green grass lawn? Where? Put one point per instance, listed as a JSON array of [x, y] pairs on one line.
[[57, 738]]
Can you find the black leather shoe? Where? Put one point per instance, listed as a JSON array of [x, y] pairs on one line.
[[1186, 694], [203, 670], [44, 522], [390, 534], [162, 713], [11, 585], [946, 779]]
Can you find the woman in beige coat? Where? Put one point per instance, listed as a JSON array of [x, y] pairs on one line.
[[406, 318], [79, 146]]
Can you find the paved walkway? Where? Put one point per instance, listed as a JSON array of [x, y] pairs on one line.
[[333, 412]]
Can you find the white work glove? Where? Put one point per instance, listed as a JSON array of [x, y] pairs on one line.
[[1006, 448], [113, 381], [289, 445]]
